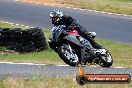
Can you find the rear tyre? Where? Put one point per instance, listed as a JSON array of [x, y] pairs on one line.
[[106, 60], [68, 55]]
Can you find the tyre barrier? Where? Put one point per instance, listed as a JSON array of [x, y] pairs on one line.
[[32, 39]]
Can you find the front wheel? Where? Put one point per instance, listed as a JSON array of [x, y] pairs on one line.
[[68, 55]]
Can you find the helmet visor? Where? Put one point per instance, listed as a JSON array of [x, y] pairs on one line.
[[53, 19]]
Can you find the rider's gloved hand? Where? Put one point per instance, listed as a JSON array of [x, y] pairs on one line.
[[92, 34], [51, 44]]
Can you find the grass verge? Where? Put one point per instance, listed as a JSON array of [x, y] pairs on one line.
[[114, 6], [54, 82]]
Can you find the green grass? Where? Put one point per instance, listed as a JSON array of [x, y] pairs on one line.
[[122, 54], [54, 82], [115, 6], [47, 56], [5, 25]]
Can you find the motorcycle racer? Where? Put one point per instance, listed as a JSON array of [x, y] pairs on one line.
[[58, 18]]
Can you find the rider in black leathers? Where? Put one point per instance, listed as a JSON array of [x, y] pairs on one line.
[[58, 18]]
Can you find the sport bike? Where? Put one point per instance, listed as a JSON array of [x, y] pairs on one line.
[[73, 49]]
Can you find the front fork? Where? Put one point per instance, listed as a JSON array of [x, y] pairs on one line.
[[71, 53]]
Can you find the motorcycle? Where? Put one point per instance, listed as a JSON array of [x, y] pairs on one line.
[[73, 49]]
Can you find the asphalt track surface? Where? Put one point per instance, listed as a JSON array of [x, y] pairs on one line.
[[110, 27], [29, 71]]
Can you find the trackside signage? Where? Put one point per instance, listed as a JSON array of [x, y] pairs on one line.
[[83, 78]]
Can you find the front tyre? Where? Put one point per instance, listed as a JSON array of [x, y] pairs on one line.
[[68, 55]]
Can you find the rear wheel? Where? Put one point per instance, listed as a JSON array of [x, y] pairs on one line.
[[106, 60], [68, 55]]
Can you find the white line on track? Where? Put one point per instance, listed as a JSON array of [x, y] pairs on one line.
[[29, 64], [118, 67], [12, 63], [16, 24]]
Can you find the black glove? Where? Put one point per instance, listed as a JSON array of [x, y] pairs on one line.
[[51, 44]]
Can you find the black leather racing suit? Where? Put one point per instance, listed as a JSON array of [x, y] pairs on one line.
[[69, 22]]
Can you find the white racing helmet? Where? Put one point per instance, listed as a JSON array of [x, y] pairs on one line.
[[56, 16]]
